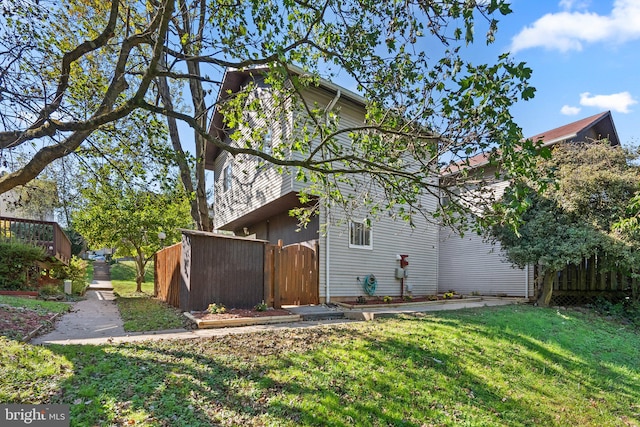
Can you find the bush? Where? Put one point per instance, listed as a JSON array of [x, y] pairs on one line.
[[626, 310], [216, 308], [15, 261], [76, 271]]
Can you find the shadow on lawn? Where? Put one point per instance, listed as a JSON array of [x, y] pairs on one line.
[[381, 373]]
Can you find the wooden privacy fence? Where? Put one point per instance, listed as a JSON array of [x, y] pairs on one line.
[[291, 276], [239, 273], [591, 278], [167, 274]]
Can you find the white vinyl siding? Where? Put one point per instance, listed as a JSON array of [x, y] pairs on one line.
[[254, 183], [470, 264]]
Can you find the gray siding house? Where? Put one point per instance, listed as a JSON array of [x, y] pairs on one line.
[[470, 263], [254, 199]]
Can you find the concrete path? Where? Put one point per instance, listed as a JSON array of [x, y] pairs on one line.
[[95, 317]]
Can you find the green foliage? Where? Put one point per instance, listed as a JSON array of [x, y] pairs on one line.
[[129, 218], [626, 310], [214, 308], [579, 214], [15, 261], [76, 271], [125, 271], [261, 306], [387, 299], [424, 99]]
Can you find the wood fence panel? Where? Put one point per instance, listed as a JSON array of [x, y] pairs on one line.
[[167, 274], [591, 277], [295, 274]]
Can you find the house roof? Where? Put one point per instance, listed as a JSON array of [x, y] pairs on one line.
[[232, 82], [601, 124], [598, 126]]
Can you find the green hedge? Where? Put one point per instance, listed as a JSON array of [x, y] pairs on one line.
[[15, 261]]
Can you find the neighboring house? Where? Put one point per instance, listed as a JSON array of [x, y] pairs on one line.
[[33, 226], [471, 263], [254, 200]]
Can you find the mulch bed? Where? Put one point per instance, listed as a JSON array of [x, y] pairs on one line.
[[17, 323], [398, 300], [235, 313]]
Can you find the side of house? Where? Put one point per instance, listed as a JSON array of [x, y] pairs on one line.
[[254, 199], [471, 263]]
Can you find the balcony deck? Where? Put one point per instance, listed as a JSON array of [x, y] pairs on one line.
[[46, 234]]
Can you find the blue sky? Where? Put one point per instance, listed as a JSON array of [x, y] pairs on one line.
[[585, 56]]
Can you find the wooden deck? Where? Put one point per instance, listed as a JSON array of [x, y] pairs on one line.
[[46, 234]]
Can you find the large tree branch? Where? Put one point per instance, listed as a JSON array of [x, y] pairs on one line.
[[105, 113]]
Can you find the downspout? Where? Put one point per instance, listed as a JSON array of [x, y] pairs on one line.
[[327, 262], [526, 281]]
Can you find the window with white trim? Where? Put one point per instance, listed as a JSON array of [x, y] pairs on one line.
[[267, 147], [360, 235], [227, 178]]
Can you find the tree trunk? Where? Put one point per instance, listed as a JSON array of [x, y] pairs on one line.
[[547, 288], [199, 106], [139, 270], [183, 166]]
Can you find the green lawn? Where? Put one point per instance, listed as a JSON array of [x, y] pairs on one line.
[[35, 305], [514, 365], [140, 311]]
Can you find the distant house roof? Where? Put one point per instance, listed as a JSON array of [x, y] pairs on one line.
[[233, 81], [598, 126]]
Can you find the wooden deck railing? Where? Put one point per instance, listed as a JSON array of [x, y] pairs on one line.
[[46, 234]]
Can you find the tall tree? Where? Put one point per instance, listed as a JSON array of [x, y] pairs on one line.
[[117, 215], [576, 217], [424, 100]]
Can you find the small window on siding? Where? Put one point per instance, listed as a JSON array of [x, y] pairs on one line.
[[360, 235], [227, 178], [267, 147]]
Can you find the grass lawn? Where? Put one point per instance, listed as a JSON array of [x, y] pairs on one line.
[[513, 365], [35, 304], [140, 311]]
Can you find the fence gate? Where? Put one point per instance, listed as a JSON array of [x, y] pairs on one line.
[[167, 274], [292, 274]]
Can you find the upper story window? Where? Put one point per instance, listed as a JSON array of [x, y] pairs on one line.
[[267, 144], [227, 178], [360, 235]]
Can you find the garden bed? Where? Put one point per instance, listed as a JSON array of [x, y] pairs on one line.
[[240, 317], [23, 324], [375, 302]]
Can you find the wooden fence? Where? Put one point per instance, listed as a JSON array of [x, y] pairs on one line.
[[207, 268], [593, 277], [167, 274], [291, 275]]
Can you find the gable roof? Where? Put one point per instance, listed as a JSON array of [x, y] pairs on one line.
[[598, 126], [233, 81]]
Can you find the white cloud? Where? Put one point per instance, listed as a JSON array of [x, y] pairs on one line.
[[568, 110], [619, 102], [565, 31], [573, 4]]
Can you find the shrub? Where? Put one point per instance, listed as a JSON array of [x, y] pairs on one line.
[[216, 308], [387, 299], [76, 271], [261, 307], [15, 261]]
